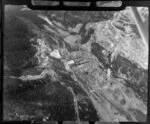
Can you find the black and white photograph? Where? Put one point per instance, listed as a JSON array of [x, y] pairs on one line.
[[64, 65]]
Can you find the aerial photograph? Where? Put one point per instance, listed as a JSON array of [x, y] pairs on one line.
[[75, 65]]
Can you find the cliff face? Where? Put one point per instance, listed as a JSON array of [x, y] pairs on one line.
[[84, 66]]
